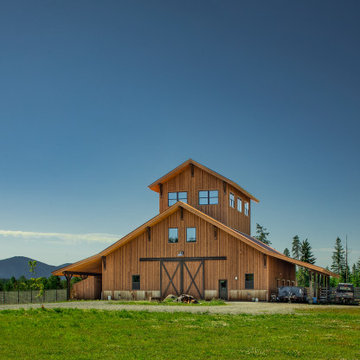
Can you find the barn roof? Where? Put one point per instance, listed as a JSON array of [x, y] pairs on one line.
[[155, 186], [93, 264]]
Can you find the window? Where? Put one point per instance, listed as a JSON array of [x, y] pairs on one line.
[[173, 235], [265, 260], [232, 200], [174, 197], [136, 282], [249, 281], [239, 204], [208, 197], [190, 234], [246, 208]]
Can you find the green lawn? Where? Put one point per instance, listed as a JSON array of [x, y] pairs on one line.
[[93, 334]]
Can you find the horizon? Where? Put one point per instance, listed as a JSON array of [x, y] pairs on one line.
[[98, 102]]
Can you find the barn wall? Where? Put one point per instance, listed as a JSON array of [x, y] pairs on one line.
[[280, 272], [241, 258], [202, 180], [87, 289]]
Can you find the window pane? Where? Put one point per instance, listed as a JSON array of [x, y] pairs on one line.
[[239, 204], [172, 195], [190, 234], [246, 208], [249, 281], [203, 194], [173, 235], [232, 200], [203, 201], [213, 193], [171, 202], [136, 282], [213, 201], [182, 196]]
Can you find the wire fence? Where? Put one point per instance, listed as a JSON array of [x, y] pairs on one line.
[[31, 296]]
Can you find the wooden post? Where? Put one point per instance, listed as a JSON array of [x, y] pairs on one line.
[[68, 277]]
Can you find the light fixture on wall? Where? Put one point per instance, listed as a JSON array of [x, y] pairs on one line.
[[180, 253]]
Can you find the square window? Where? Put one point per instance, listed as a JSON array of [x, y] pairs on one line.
[[190, 234], [136, 282], [208, 197], [249, 281], [174, 197], [173, 235]]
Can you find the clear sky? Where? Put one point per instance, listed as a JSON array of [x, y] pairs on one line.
[[100, 98]]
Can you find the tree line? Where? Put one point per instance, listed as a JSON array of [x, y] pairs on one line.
[[302, 250]]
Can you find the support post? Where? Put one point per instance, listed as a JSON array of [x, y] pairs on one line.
[[68, 277]]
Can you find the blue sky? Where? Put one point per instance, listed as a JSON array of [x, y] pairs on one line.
[[100, 98]]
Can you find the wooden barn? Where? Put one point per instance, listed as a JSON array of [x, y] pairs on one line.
[[198, 244]]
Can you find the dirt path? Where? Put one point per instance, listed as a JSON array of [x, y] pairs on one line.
[[229, 308]]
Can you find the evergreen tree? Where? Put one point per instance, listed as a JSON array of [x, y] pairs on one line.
[[287, 252], [295, 250], [262, 234], [338, 259], [306, 253]]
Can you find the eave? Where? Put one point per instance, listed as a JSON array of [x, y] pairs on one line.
[[155, 186]]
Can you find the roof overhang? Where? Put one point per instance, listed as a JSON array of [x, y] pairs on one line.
[[155, 186]]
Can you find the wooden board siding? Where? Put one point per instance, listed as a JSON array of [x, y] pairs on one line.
[[87, 289], [202, 180], [280, 270], [241, 258]]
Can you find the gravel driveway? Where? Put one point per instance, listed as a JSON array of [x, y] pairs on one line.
[[229, 308]]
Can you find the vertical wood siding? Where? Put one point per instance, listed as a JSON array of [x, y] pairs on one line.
[[202, 180], [241, 258]]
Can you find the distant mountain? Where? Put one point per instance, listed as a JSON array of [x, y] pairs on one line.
[[19, 265]]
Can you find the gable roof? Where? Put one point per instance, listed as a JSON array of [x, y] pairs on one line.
[[88, 264], [155, 186]]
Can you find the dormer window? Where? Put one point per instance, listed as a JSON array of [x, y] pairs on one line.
[[174, 197], [246, 209], [208, 197], [232, 200], [239, 204]]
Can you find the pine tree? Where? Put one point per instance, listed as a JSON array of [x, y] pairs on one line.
[[287, 252], [306, 253], [295, 250], [338, 259], [262, 234]]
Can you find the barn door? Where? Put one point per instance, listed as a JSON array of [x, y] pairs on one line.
[[194, 278], [170, 278], [182, 277]]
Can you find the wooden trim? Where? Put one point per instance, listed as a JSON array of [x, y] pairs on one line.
[[180, 258]]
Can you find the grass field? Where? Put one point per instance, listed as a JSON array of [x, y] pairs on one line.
[[94, 334]]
